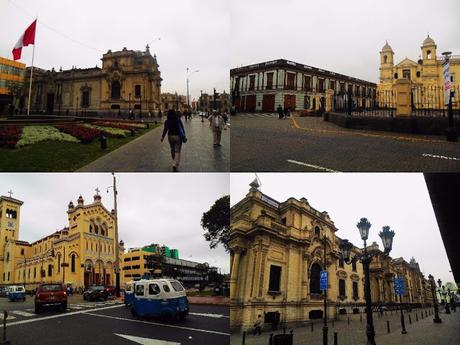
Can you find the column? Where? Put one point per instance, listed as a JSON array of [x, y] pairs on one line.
[[234, 273]]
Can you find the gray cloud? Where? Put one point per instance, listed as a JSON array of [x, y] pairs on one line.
[[194, 33]]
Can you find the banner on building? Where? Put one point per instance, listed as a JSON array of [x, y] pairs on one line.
[[447, 82], [323, 280], [400, 288]]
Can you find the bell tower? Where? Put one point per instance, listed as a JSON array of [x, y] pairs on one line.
[[9, 219], [386, 64], [429, 51]]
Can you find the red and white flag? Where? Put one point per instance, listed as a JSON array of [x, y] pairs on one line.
[[28, 37]]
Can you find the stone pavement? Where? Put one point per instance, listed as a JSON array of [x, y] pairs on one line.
[[148, 154], [421, 332]]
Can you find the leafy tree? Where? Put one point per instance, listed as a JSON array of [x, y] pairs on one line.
[[216, 223]]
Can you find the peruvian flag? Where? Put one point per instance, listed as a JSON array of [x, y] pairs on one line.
[[28, 37]]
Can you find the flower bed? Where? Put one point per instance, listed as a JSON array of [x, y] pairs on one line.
[[9, 136], [34, 134], [110, 132], [120, 125], [83, 133]]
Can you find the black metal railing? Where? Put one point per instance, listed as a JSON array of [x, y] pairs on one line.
[[430, 101], [383, 104]]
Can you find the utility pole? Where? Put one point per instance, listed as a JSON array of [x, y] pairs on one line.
[[117, 249]]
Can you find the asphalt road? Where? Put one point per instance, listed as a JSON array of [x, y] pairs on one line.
[[261, 142], [110, 322]]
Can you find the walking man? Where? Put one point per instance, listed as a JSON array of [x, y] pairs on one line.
[[258, 325], [280, 111], [217, 125]]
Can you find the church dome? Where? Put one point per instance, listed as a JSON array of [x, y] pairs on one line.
[[387, 47], [428, 41]]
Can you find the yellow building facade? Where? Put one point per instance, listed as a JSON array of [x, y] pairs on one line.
[[425, 76], [11, 80], [81, 254], [276, 258]]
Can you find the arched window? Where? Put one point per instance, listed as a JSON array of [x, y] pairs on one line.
[[428, 54], [396, 75], [314, 278], [317, 231], [91, 228], [116, 89], [50, 270], [385, 59], [72, 263]]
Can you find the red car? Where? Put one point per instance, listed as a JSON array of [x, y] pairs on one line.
[[110, 290], [50, 295]]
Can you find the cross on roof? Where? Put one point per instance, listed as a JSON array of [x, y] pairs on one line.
[[97, 191], [10, 193]]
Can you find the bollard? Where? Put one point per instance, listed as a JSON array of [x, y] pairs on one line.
[[388, 326], [421, 315], [410, 319], [312, 326], [132, 132], [244, 338], [416, 317], [332, 323], [5, 316], [292, 337], [348, 321], [270, 341], [103, 140], [360, 317], [335, 338]]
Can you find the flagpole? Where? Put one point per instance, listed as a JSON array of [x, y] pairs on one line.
[[30, 81]]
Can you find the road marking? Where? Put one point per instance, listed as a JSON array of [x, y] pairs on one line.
[[10, 317], [21, 312], [146, 341], [158, 324], [75, 307], [56, 316], [441, 157], [216, 316], [311, 166], [371, 135]]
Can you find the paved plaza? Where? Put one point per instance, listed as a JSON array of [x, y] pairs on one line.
[[262, 142], [420, 331], [148, 154]]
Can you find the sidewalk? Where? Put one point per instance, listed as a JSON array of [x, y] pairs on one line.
[[421, 332], [214, 300], [148, 154]]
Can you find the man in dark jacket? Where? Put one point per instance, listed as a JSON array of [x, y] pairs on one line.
[[280, 111]]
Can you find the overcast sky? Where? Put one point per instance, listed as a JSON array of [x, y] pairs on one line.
[[341, 36], [153, 208], [398, 200], [193, 33]]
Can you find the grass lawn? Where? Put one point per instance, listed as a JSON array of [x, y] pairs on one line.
[[59, 156]]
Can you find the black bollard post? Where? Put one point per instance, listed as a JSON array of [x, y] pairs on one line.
[[292, 337], [335, 338], [388, 326], [416, 316], [244, 337], [5, 316], [410, 319], [270, 341], [333, 323], [312, 326], [348, 321], [360, 317]]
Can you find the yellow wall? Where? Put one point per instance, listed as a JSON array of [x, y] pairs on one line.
[[6, 74]]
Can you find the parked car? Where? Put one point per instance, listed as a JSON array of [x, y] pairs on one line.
[[3, 291], [111, 290], [96, 292], [16, 293], [50, 295]]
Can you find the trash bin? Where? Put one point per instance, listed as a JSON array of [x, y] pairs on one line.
[[282, 339]]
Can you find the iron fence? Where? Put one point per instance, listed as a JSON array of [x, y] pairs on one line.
[[382, 105], [429, 101]]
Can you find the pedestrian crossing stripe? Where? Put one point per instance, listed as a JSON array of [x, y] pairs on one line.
[[21, 313]]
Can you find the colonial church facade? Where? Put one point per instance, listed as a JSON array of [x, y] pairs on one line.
[[425, 74], [82, 254], [128, 80]]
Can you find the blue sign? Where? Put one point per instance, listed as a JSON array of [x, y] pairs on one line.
[[323, 280], [400, 288]]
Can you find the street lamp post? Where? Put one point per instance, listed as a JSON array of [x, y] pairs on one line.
[[188, 94], [403, 323], [325, 327], [451, 131], [436, 319], [345, 246], [117, 248]]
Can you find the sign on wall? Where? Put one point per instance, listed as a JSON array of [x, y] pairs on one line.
[[323, 280]]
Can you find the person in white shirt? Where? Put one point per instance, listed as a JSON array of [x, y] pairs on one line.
[[217, 124]]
